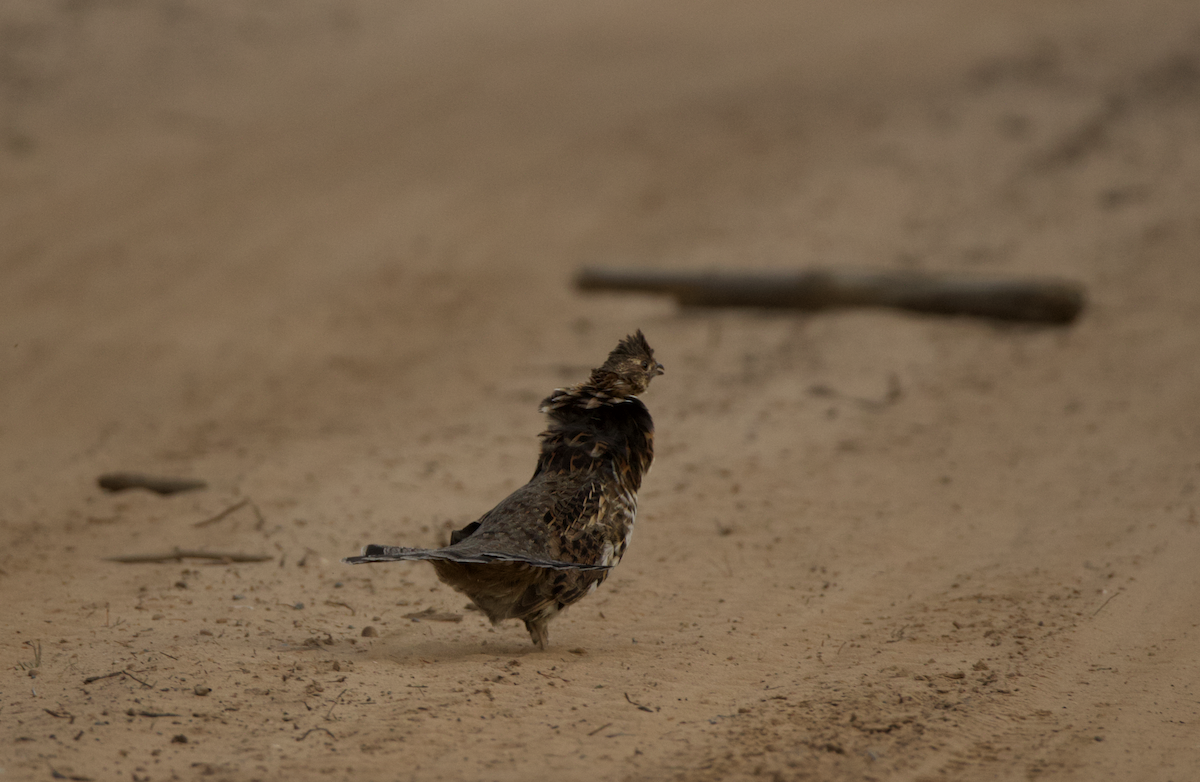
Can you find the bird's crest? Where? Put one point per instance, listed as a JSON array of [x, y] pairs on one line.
[[628, 369], [631, 349]]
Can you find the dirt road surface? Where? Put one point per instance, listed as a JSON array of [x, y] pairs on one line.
[[319, 255]]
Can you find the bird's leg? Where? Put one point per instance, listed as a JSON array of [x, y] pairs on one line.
[[539, 631]]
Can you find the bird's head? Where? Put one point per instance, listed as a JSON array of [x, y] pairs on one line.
[[629, 369]]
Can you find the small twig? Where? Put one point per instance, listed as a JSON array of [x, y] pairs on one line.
[[335, 703], [261, 520], [63, 716], [602, 727], [122, 672], [432, 615], [36, 646], [1106, 602], [178, 555], [640, 706], [214, 519], [120, 481], [91, 679], [152, 714], [56, 774], [136, 679], [311, 730], [342, 605]]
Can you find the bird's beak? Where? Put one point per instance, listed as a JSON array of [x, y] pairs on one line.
[[658, 369]]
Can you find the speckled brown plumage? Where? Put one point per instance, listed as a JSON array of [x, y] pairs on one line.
[[554, 540]]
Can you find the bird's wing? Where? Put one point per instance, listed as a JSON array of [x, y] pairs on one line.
[[580, 503], [551, 522]]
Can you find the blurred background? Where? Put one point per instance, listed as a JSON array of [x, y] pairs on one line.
[[320, 253]]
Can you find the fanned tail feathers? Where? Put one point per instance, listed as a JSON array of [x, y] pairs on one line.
[[375, 553]]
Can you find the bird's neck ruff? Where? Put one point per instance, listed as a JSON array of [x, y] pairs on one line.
[[586, 396], [591, 427]]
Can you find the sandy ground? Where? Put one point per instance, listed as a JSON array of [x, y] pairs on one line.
[[319, 254]]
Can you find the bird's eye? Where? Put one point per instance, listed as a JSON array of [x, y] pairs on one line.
[[645, 365]]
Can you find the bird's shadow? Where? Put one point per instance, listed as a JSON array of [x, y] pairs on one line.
[[448, 643], [398, 649], [403, 645]]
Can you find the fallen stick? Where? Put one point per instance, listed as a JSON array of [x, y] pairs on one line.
[[120, 481], [178, 555], [151, 714], [1040, 301]]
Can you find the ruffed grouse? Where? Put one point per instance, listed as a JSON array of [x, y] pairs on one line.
[[554, 540]]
